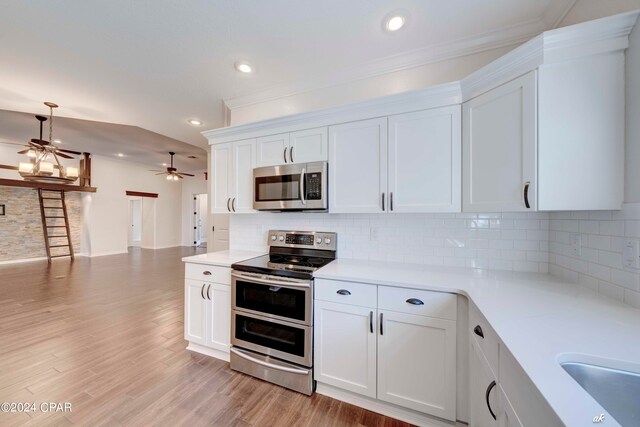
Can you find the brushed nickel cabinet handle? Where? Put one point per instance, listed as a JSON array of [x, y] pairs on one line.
[[371, 321], [391, 201], [381, 323], [228, 200], [233, 204]]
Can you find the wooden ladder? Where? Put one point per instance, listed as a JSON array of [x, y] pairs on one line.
[[47, 213]]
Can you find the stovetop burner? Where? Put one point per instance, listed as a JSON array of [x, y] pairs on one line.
[[298, 254]]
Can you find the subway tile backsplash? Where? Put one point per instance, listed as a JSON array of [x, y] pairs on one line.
[[598, 263], [534, 242], [504, 241]]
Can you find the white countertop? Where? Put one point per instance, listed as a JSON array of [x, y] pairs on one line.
[[539, 319], [221, 258]]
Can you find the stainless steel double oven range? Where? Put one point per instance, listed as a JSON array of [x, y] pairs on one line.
[[272, 308]]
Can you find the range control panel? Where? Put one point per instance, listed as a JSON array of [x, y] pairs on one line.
[[303, 239]]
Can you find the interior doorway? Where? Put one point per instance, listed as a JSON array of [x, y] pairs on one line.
[[135, 222], [200, 220]]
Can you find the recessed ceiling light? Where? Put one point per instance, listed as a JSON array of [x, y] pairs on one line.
[[244, 67], [194, 122], [120, 155], [57, 141], [395, 20]]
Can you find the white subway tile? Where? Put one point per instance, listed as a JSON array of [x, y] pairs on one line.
[[610, 290]]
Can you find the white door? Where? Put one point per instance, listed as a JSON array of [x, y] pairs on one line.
[[201, 220], [308, 145], [244, 160], [273, 150], [345, 347], [219, 313], [481, 380], [358, 167], [135, 222], [499, 148], [195, 311], [221, 178], [425, 161], [417, 363]]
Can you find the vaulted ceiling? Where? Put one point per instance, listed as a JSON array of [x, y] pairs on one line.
[[155, 64]]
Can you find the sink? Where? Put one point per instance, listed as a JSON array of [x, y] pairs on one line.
[[615, 390]]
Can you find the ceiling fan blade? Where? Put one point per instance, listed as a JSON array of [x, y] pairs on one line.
[[24, 151], [186, 174], [155, 170], [41, 142], [64, 156], [161, 173], [13, 143], [77, 153]]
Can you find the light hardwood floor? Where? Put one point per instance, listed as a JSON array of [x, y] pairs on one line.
[[106, 335]]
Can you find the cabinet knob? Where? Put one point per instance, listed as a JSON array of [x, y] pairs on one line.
[[478, 331], [415, 301], [343, 292]]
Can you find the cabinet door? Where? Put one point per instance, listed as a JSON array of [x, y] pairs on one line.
[[506, 415], [480, 381], [417, 363], [221, 177], [499, 148], [219, 313], [308, 145], [273, 150], [244, 160], [425, 161], [345, 347], [195, 311], [358, 167]]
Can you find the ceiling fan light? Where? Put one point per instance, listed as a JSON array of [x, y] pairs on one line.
[[175, 177], [169, 177], [45, 168]]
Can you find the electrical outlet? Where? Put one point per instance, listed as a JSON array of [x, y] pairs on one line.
[[576, 244], [631, 253]]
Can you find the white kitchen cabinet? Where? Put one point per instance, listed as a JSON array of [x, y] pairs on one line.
[[207, 310], [232, 176], [417, 363], [195, 323], [309, 145], [481, 382], [218, 317], [499, 148], [221, 177], [358, 166], [345, 347], [506, 416], [425, 161]]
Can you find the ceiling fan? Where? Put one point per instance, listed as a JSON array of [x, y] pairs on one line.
[[171, 172]]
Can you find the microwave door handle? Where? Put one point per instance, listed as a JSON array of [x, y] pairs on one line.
[[302, 177]]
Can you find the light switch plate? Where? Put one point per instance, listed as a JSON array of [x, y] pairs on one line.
[[631, 254]]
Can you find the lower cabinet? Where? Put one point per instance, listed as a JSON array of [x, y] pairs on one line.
[[393, 356], [207, 314], [483, 390], [417, 363]]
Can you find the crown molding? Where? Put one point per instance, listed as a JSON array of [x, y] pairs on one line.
[[503, 37], [435, 96], [608, 34]]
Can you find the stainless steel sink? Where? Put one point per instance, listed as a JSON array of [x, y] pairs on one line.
[[617, 391]]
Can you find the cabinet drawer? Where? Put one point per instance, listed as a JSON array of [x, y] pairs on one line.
[[208, 273], [489, 344], [434, 304], [351, 293]]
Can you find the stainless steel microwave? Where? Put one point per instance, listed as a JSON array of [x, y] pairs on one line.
[[297, 187]]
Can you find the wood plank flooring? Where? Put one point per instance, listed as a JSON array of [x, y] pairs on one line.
[[106, 335]]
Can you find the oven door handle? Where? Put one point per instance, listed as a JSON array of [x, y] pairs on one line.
[[267, 364], [302, 178], [282, 283]]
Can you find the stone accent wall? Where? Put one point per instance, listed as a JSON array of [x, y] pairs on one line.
[[21, 235]]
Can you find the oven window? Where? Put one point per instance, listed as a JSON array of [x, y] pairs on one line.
[[275, 188], [272, 335], [285, 302]]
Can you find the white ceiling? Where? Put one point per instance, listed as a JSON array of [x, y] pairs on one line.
[[156, 63]]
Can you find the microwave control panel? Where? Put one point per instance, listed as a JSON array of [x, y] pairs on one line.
[[313, 186]]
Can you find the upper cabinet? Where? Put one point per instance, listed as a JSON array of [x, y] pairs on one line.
[[500, 148], [303, 146], [407, 163], [232, 166]]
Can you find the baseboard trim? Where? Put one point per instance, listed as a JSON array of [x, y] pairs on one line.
[[107, 254], [22, 260], [207, 351], [383, 408]]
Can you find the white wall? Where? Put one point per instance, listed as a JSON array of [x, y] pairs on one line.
[[632, 154], [191, 186], [587, 10], [108, 219]]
